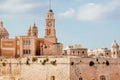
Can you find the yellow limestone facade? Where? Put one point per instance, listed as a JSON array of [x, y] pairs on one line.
[[31, 44], [60, 68]]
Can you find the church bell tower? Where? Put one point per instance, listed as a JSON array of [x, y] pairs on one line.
[[50, 32]]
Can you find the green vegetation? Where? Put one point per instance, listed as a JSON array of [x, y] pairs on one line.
[[53, 62], [4, 64], [91, 63], [71, 63], [27, 61], [44, 61], [34, 59], [107, 63], [47, 59]]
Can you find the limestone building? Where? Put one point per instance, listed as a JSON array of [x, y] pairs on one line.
[[75, 50], [31, 44], [114, 52]]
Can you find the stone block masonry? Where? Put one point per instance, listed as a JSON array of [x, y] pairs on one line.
[[59, 68]]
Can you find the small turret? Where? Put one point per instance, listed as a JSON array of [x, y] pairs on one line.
[[114, 44], [114, 49], [33, 31], [28, 33]]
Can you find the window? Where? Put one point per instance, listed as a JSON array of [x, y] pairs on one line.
[[26, 51], [29, 51], [102, 77], [48, 31], [26, 42], [52, 78], [80, 78]]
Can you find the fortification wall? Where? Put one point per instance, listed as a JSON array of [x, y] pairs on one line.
[[41, 69], [60, 68], [107, 67]]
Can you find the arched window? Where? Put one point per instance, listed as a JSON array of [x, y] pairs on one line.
[[102, 77], [48, 32], [80, 78], [52, 78]]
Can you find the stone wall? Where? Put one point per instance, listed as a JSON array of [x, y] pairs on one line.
[[61, 67], [42, 69], [82, 69]]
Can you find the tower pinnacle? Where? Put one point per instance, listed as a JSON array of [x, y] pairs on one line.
[[50, 5]]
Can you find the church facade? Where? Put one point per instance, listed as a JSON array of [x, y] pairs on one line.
[[31, 44]]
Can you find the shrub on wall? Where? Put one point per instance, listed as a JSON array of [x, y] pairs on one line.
[[43, 62], [47, 59], [34, 59], [4, 64], [107, 63], [53, 62], [27, 61], [91, 63], [71, 63]]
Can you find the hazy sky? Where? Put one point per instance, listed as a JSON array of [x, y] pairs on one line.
[[91, 23]]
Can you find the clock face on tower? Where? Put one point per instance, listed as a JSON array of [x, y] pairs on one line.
[[49, 24]]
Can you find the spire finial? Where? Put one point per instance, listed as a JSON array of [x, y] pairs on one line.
[[50, 4]]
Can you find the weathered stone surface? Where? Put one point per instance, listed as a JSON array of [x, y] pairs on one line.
[[62, 70]]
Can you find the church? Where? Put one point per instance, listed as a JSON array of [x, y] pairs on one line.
[[30, 44], [28, 57]]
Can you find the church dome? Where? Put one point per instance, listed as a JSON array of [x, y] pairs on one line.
[[3, 32], [114, 44]]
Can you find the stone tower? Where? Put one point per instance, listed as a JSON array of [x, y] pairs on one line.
[[114, 49], [50, 32], [33, 31]]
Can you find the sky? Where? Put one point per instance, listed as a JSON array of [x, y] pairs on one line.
[[90, 23]]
